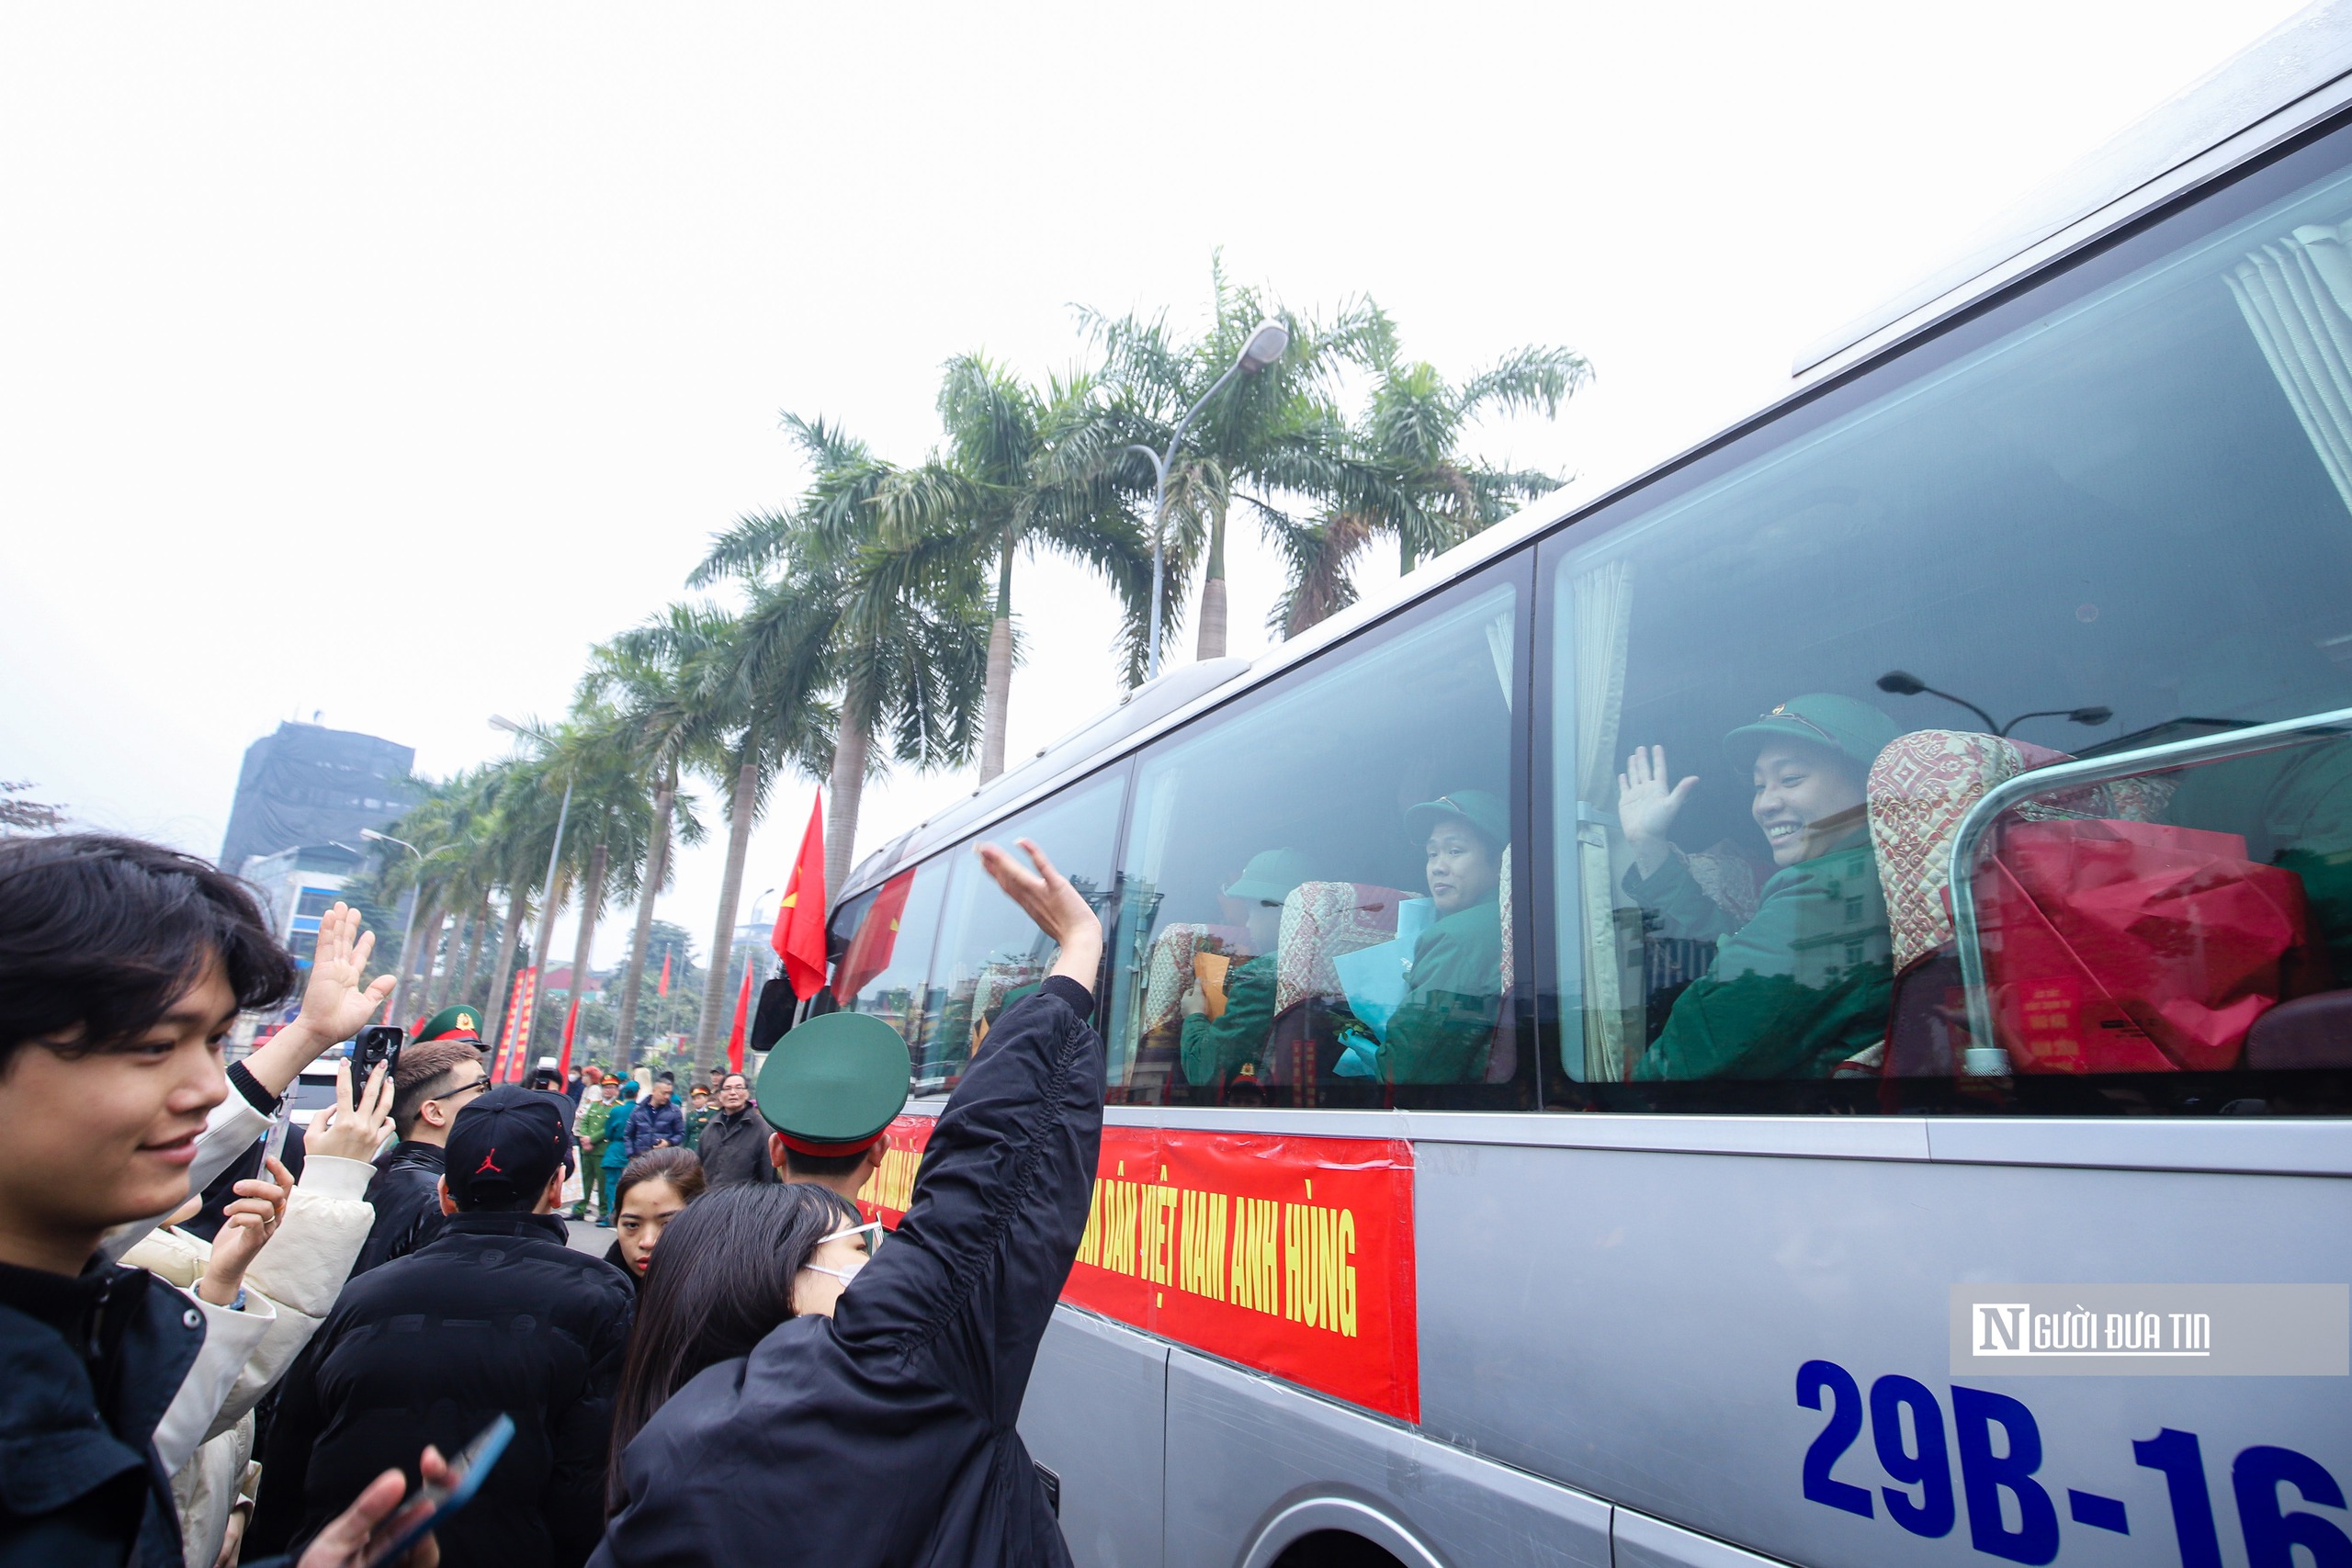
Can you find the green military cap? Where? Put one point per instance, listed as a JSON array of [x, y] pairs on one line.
[[457, 1023], [834, 1085], [1475, 806], [1855, 730]]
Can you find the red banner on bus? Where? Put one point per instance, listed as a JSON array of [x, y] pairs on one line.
[[1292, 1255]]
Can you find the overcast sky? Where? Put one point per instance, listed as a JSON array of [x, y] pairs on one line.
[[376, 361]]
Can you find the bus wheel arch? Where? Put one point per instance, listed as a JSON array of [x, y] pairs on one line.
[[1337, 1532]]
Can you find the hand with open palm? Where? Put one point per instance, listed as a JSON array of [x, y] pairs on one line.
[[335, 1006], [1647, 806]]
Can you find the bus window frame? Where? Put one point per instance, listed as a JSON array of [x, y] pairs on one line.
[[1517, 568], [2171, 228]]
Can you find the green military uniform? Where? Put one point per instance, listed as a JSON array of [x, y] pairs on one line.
[[834, 1084], [589, 1127], [696, 1121], [1807, 981], [1209, 1047], [1799, 989], [1213, 1047], [1453, 994]]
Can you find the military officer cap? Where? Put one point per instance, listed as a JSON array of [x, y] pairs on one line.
[[457, 1023], [835, 1084]]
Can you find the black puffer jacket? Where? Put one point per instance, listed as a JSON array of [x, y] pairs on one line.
[[406, 1195], [884, 1434], [496, 1314], [88, 1368]]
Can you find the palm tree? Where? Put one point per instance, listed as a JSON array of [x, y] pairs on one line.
[[897, 634], [1022, 468], [1410, 479], [1280, 431], [669, 722]]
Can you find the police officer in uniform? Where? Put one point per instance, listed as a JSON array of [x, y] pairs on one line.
[[830, 1090]]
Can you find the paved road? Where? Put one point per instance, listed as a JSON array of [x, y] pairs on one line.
[[587, 1237]]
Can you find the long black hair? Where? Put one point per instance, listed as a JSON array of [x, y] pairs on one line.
[[723, 1280]]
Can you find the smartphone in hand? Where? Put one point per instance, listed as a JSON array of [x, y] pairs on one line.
[[472, 1464]]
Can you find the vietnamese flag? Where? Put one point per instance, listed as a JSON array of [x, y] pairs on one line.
[[799, 935], [665, 975], [877, 936], [742, 1010]]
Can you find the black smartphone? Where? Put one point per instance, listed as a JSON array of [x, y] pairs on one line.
[[377, 1042]]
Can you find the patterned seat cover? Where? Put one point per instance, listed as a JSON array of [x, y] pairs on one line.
[[1320, 921], [1169, 968]]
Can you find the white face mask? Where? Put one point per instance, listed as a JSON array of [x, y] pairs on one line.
[[843, 1275], [872, 1233]]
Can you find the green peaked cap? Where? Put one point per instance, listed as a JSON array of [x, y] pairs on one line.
[[838, 1079], [461, 1021]]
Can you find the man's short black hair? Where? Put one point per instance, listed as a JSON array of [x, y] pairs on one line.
[[100, 935], [796, 1164]]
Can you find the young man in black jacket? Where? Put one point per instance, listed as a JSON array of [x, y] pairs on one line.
[[497, 1314], [877, 1426], [435, 1080], [122, 967]]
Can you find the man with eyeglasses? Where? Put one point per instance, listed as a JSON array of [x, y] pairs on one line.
[[439, 1073]]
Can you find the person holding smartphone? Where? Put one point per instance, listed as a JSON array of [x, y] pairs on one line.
[[881, 1407], [122, 967]]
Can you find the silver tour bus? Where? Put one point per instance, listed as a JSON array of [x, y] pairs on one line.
[[1799, 1009]]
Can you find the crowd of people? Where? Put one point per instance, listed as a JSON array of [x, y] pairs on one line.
[[227, 1341]]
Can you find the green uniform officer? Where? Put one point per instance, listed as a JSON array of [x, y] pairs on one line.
[[830, 1090], [1445, 1027], [1807, 981], [1213, 1048]]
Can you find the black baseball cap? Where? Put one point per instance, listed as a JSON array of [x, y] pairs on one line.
[[505, 1147]]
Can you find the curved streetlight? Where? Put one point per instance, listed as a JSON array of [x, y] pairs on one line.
[[1266, 345], [415, 896]]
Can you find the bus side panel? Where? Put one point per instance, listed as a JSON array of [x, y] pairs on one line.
[[1242, 1449], [1095, 1416], [1639, 1325]]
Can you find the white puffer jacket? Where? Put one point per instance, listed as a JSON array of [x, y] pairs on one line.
[[207, 1436]]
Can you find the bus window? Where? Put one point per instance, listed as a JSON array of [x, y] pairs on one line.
[[990, 954], [1778, 695], [1315, 907], [881, 952]]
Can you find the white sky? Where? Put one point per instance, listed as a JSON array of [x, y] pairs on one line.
[[377, 361]]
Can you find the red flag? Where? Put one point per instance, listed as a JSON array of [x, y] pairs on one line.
[[742, 1010], [877, 937], [666, 976], [513, 1042], [571, 1022], [799, 935]]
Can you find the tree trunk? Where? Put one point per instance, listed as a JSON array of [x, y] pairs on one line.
[[519, 909], [998, 698], [417, 967], [850, 745], [591, 903], [474, 951], [657, 867], [540, 952], [731, 891], [1212, 643]]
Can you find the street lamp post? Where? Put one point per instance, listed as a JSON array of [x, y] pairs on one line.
[[408, 930], [1265, 345], [547, 911]]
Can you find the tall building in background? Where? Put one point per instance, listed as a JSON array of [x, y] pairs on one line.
[[309, 785]]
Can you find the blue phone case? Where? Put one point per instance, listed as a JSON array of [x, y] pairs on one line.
[[472, 1464]]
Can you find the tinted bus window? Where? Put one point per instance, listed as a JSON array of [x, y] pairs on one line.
[[1316, 908], [1776, 698], [989, 953], [882, 943]]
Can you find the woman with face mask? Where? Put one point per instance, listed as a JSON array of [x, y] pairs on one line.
[[1804, 982], [1446, 1025]]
